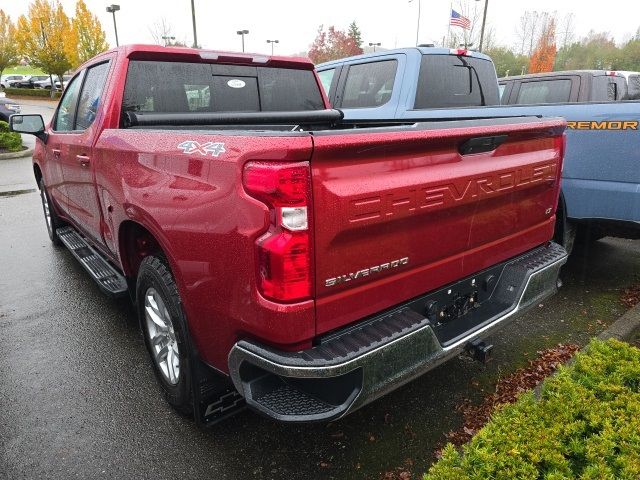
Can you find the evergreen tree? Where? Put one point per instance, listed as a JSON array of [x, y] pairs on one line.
[[355, 34]]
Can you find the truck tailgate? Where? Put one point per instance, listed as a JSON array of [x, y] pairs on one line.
[[401, 211]]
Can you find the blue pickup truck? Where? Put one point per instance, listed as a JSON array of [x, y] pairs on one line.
[[601, 177]]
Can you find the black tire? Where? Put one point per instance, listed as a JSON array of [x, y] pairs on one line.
[[154, 274], [51, 219], [565, 231]]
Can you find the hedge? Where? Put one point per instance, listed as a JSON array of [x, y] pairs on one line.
[[586, 425], [31, 92], [10, 141]]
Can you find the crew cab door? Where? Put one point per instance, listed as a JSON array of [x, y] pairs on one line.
[[74, 132], [60, 138]]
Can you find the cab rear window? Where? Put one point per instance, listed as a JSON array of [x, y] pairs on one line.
[[456, 81], [179, 87]]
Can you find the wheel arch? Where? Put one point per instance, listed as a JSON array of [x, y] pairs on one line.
[[37, 173], [135, 242]]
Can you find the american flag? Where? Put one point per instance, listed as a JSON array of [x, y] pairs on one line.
[[458, 20]]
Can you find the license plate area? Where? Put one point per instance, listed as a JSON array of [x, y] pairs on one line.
[[466, 305]]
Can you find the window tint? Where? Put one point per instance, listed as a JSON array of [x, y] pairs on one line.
[[326, 77], [369, 84], [289, 90], [198, 97], [501, 89], [177, 87], [634, 87], [608, 88], [90, 96], [65, 117], [456, 81], [622, 91], [544, 91]]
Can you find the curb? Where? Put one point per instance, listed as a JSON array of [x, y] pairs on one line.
[[625, 328], [21, 154]]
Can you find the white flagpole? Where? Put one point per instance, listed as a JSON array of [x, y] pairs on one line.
[[449, 26]]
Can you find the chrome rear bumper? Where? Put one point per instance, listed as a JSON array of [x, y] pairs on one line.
[[358, 364]]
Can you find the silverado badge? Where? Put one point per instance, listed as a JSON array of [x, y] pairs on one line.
[[365, 272]]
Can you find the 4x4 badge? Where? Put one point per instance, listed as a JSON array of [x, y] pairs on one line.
[[213, 148]]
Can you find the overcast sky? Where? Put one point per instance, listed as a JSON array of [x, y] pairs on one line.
[[294, 23]]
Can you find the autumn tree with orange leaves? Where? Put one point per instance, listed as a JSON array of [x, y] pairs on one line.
[[544, 56], [334, 44]]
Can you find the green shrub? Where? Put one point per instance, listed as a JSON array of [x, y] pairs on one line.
[[10, 141], [586, 425], [30, 92]]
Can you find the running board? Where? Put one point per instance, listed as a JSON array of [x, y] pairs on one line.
[[110, 281]]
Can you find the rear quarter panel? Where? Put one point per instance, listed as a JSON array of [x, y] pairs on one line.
[[195, 206]]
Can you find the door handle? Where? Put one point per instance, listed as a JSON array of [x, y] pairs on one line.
[[84, 160], [56, 153]]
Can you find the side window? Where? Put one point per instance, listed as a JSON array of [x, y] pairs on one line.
[[607, 88], [622, 92], [634, 87], [603, 89], [369, 84], [90, 96], [504, 91], [326, 78], [544, 91], [65, 117]]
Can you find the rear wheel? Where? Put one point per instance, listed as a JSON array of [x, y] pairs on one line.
[[164, 328], [565, 230], [52, 220]]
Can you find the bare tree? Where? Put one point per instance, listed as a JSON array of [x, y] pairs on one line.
[[162, 33], [527, 31], [489, 38], [566, 33], [532, 25]]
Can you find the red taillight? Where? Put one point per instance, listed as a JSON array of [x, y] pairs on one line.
[[284, 252]]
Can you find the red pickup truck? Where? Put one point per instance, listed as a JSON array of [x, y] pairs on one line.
[[277, 257]]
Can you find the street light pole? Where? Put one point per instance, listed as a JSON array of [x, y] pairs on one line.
[[243, 33], [418, 25], [113, 9], [374, 45], [272, 42], [193, 20], [484, 22]]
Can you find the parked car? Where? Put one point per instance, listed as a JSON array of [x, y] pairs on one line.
[[7, 108], [385, 85], [574, 86], [30, 82], [65, 78], [277, 256], [8, 80], [601, 179], [46, 83]]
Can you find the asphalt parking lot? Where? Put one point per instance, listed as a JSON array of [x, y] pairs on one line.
[[79, 400]]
